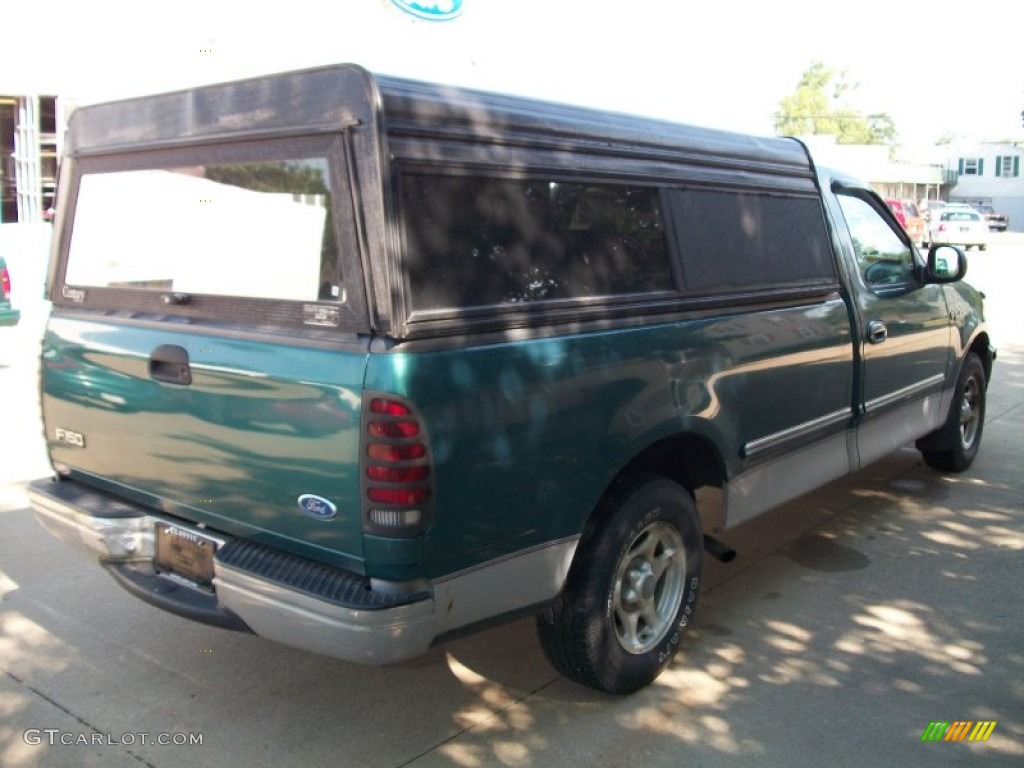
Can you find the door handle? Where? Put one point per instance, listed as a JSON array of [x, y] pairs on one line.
[[877, 332], [169, 363]]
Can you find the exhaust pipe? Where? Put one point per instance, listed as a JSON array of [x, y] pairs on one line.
[[721, 551]]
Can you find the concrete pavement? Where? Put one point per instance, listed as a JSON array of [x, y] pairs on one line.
[[851, 619]]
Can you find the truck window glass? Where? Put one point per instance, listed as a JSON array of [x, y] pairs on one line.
[[472, 241], [256, 229], [732, 241], [882, 255]]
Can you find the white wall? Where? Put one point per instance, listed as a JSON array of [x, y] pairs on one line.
[[1005, 194]]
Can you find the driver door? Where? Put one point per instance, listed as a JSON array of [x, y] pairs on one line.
[[904, 329]]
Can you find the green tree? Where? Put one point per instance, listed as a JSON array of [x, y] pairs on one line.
[[295, 178], [818, 106]]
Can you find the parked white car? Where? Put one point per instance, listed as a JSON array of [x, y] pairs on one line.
[[959, 226]]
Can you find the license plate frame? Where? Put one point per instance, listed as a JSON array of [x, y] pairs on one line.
[[185, 554]]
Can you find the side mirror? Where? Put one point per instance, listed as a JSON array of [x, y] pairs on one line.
[[946, 264]]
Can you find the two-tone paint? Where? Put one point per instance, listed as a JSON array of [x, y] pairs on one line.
[[220, 425]]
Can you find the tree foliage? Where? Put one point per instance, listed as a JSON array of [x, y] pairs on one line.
[[819, 106], [294, 178]]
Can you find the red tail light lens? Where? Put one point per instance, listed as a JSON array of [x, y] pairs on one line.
[[5, 281], [396, 476], [399, 496], [394, 429], [389, 407], [382, 474], [384, 452]]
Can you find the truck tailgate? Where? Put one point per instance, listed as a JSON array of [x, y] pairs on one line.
[[228, 432]]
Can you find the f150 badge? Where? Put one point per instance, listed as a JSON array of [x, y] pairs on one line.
[[317, 507], [67, 437]]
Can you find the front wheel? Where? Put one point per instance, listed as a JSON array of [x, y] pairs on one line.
[[954, 446], [632, 589]]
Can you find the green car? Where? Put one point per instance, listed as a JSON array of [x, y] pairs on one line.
[[382, 362], [8, 314]]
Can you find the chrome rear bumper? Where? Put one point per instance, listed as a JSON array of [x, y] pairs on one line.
[[351, 622]]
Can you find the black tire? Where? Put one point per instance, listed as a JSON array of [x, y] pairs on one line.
[[632, 589], [953, 447]]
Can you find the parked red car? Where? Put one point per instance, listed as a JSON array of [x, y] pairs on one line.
[[8, 315], [997, 222], [909, 218]]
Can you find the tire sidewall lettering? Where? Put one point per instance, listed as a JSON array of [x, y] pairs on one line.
[[669, 644]]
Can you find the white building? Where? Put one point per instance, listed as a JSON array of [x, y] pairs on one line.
[[989, 173], [894, 172], [31, 137]]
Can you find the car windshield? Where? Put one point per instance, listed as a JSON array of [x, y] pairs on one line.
[[961, 216]]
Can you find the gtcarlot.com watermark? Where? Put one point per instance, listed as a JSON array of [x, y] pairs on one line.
[[55, 737]]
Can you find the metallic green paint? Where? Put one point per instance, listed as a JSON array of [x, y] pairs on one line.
[[262, 423], [526, 435]]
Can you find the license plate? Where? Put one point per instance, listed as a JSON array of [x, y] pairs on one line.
[[185, 554]]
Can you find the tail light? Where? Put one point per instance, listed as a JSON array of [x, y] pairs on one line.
[[397, 477], [5, 281], [941, 228]]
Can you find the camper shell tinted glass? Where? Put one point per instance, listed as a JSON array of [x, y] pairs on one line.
[[473, 241], [749, 241], [551, 248]]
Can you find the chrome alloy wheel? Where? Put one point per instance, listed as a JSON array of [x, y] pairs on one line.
[[970, 412], [648, 587]]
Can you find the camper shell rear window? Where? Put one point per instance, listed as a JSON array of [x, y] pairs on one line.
[[209, 229]]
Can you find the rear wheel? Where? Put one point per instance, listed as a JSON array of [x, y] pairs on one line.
[[955, 445], [632, 589]]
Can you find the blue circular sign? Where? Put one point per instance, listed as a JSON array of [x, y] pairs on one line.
[[432, 10], [317, 507]]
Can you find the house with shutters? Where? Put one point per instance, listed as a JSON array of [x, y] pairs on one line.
[[989, 173]]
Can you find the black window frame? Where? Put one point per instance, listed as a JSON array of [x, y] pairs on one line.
[[313, 317]]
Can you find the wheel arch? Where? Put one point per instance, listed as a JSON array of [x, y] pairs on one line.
[[982, 347], [690, 459]]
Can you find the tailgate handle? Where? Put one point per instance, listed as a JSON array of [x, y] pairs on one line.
[[169, 363]]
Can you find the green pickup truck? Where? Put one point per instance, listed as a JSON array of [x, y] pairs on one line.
[[377, 362]]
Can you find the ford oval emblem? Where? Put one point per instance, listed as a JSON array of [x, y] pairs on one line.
[[432, 10], [317, 507]]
